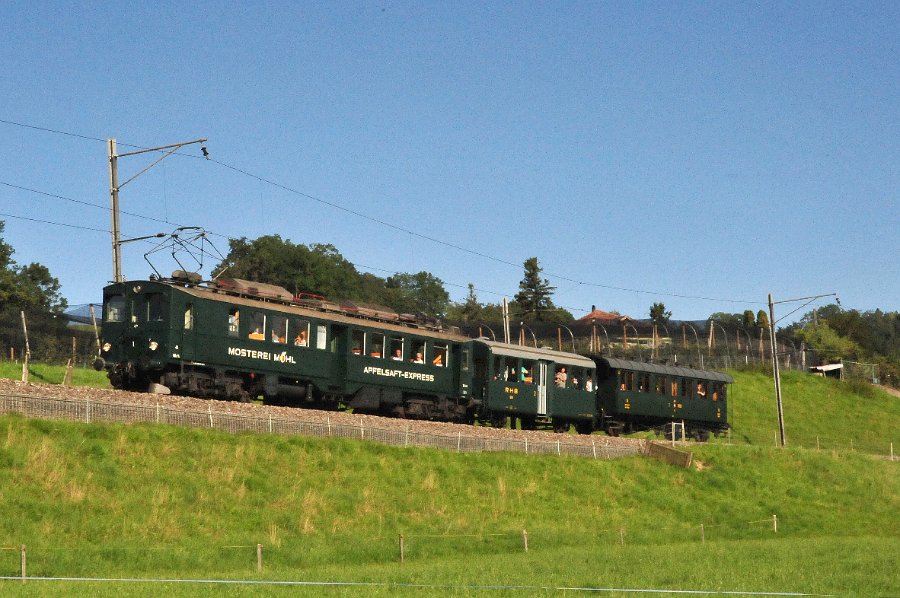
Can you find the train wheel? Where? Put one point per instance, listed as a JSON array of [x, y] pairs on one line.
[[498, 420], [702, 435], [584, 427], [560, 427]]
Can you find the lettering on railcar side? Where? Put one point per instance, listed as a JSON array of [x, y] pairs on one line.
[[282, 357], [376, 371]]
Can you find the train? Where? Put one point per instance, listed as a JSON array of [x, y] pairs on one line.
[[241, 340]]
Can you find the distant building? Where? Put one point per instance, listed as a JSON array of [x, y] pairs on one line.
[[831, 370]]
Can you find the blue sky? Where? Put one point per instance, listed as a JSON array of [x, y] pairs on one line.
[[699, 154]]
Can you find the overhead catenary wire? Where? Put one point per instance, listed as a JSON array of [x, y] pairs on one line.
[[398, 228]]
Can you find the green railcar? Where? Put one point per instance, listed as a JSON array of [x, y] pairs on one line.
[[239, 340], [536, 386], [633, 395]]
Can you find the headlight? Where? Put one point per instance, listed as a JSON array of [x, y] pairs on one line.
[[106, 347], [154, 345]]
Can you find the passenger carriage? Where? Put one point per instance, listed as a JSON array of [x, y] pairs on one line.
[[539, 387], [633, 395]]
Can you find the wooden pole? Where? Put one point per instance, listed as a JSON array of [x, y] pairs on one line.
[[702, 535], [402, 549], [27, 350], [774, 523], [525, 539], [622, 536], [24, 561], [259, 558], [96, 330]]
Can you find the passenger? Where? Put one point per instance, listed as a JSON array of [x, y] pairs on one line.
[[257, 334], [397, 356], [300, 339], [574, 381], [701, 392], [418, 358], [438, 360], [589, 385], [276, 338], [560, 377]]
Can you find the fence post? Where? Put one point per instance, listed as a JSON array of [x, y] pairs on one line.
[[558, 448], [817, 443], [24, 559], [329, 425], [594, 448], [209, 410], [458, 441], [157, 411], [525, 539], [892, 451], [622, 536], [702, 535], [774, 523], [526, 445], [270, 423], [406, 438], [402, 555], [87, 411], [259, 558]]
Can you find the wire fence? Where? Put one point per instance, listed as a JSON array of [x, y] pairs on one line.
[[88, 411], [46, 559]]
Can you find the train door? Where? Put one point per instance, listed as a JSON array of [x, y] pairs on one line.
[[542, 388], [188, 332]]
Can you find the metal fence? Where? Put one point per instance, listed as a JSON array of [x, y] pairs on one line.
[[87, 411]]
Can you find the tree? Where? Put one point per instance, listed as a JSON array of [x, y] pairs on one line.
[[828, 344], [533, 298], [658, 313], [421, 292]]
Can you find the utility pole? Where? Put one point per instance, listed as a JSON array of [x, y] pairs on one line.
[[775, 372], [114, 188]]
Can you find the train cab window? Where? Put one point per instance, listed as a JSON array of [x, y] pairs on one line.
[[189, 316], [156, 307], [376, 345], [396, 348], [526, 372], [418, 351], [322, 337], [660, 385], [507, 370], [440, 356], [629, 382], [234, 321], [300, 330], [674, 387], [115, 309], [257, 326], [718, 392], [278, 329], [465, 359], [357, 342]]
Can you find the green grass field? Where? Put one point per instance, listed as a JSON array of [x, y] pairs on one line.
[[41, 373], [157, 502]]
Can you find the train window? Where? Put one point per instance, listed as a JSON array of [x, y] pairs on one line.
[[674, 387], [357, 342], [234, 320], [189, 316], [660, 385], [115, 309], [701, 390], [300, 330], [257, 326], [526, 372], [718, 392], [576, 378], [629, 381], [278, 329], [156, 307], [376, 345], [418, 351], [684, 387], [509, 369], [440, 355], [322, 337], [465, 359], [396, 349], [560, 377]]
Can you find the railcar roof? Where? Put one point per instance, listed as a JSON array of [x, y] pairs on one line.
[[640, 366], [525, 352], [217, 294]]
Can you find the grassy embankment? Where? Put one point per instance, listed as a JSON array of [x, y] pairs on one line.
[[41, 373], [161, 502]]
